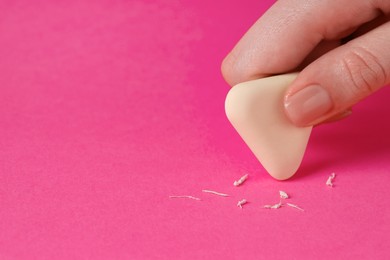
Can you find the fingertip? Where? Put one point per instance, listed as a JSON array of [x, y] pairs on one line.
[[225, 73], [227, 69]]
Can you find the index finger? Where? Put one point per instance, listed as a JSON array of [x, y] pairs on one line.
[[289, 31]]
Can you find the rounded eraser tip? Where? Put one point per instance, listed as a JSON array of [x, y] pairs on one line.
[[255, 109]]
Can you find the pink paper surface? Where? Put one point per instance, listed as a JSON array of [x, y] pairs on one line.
[[109, 107]]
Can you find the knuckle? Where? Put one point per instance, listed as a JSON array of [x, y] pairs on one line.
[[365, 72]]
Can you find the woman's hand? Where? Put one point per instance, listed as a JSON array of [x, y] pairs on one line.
[[341, 46]]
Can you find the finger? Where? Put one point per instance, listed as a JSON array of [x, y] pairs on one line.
[[339, 79], [281, 39], [328, 45]]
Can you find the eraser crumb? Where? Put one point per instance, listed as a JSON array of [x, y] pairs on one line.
[[183, 197], [216, 193], [241, 180], [241, 202], [294, 206], [283, 195], [276, 206], [329, 181]]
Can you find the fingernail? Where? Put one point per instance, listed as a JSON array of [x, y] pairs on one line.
[[308, 104]]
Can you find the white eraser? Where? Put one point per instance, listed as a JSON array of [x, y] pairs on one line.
[[255, 109]]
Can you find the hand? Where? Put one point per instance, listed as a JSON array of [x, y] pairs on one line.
[[341, 46]]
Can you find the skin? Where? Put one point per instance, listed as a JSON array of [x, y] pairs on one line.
[[341, 45]]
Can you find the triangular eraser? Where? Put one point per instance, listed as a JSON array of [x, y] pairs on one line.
[[255, 109]]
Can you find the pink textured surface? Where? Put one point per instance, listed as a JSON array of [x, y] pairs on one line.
[[108, 107]]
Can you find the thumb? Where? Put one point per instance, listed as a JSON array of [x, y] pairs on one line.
[[340, 78]]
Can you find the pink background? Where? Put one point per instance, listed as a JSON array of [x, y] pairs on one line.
[[108, 107]]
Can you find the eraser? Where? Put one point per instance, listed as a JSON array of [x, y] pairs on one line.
[[255, 109]]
